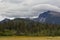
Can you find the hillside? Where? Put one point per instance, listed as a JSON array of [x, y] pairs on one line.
[[51, 17], [27, 27]]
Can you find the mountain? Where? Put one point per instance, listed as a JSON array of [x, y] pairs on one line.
[[46, 17], [29, 27], [49, 17], [5, 20]]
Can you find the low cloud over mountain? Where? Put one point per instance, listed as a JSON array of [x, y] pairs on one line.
[[26, 8]]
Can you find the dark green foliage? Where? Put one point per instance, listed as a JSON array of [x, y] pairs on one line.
[[25, 27]]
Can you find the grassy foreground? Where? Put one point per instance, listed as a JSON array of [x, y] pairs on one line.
[[29, 38]]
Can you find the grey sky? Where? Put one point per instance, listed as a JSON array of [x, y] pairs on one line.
[[26, 8]]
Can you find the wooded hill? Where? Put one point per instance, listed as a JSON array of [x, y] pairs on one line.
[[27, 27]]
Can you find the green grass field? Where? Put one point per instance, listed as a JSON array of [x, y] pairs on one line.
[[29, 38]]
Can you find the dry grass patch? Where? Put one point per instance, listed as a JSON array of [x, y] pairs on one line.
[[29, 38]]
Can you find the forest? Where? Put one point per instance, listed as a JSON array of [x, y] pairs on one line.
[[27, 27]]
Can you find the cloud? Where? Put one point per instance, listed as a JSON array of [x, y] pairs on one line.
[[27, 8]]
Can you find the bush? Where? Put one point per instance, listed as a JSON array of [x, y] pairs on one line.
[[8, 33]]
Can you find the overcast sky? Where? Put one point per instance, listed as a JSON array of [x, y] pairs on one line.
[[26, 8]]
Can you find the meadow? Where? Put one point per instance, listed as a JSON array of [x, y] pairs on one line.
[[29, 38]]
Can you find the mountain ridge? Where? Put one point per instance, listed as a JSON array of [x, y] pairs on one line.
[[49, 17], [46, 17]]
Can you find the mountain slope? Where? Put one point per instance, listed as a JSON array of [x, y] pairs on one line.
[[49, 17]]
